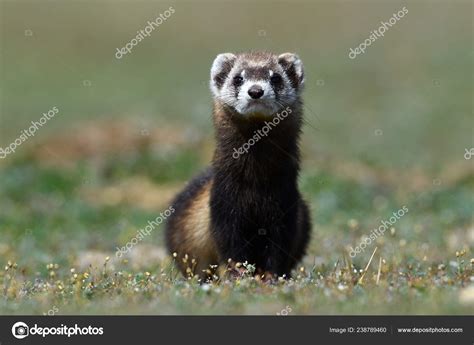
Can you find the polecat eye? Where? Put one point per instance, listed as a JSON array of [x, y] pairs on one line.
[[238, 80], [275, 79]]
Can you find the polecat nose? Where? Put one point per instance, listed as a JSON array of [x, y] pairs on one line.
[[255, 91]]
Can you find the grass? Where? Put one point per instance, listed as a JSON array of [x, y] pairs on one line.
[[418, 288], [61, 223]]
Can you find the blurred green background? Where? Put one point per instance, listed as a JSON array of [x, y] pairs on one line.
[[386, 129], [414, 84]]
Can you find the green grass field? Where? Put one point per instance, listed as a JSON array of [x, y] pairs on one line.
[[386, 130]]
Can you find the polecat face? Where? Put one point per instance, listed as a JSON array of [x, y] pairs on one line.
[[257, 83]]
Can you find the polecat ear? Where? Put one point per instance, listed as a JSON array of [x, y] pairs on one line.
[[293, 67], [221, 67]]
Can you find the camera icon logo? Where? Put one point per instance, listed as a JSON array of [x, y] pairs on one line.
[[20, 330]]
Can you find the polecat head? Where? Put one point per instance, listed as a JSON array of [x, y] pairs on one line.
[[257, 83]]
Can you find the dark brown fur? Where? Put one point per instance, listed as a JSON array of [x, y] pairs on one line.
[[245, 209]]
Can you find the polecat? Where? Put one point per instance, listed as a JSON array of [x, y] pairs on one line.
[[246, 206]]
